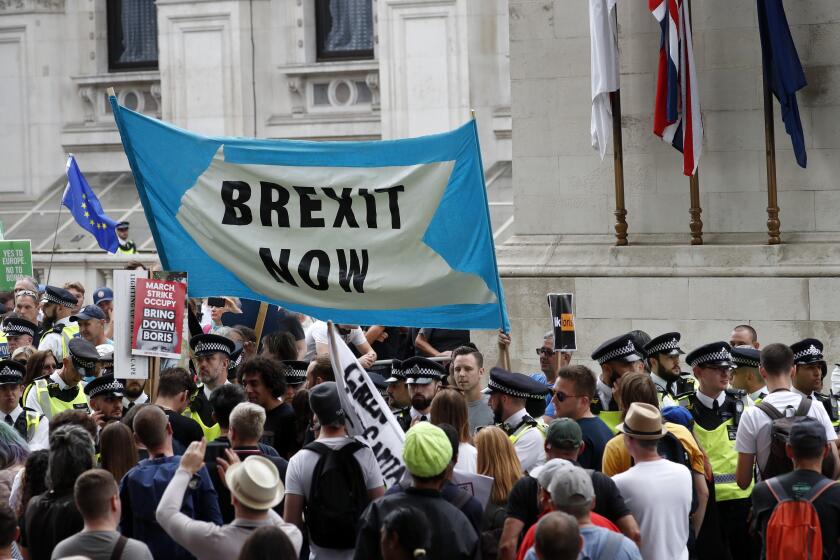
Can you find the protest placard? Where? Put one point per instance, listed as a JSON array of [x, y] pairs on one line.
[[126, 365], [561, 307], [158, 318], [368, 417], [15, 262]]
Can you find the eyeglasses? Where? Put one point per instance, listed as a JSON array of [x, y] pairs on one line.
[[547, 351], [561, 396]]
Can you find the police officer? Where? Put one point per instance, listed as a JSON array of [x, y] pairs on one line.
[[235, 359], [31, 426], [57, 306], [19, 333], [663, 358], [810, 374], [212, 354], [423, 377], [295, 377], [746, 376], [127, 246], [105, 395], [398, 398], [62, 390], [717, 411], [509, 393], [616, 356]]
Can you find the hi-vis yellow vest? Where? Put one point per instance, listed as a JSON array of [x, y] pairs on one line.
[[720, 448], [537, 424]]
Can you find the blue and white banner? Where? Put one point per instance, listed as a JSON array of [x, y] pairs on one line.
[[388, 233]]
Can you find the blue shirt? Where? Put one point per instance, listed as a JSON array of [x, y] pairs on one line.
[[595, 434], [549, 404], [594, 545], [140, 492]]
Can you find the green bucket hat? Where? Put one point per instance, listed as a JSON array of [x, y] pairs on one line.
[[427, 451]]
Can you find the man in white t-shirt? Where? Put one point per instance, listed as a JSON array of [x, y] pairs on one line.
[[317, 342], [754, 432], [326, 405], [657, 491]]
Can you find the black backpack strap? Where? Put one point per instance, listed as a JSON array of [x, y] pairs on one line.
[[317, 447], [770, 410], [776, 489], [804, 407], [116, 554], [818, 488]]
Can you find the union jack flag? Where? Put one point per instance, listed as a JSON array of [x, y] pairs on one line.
[[676, 116]]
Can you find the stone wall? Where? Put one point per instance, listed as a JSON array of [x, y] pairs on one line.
[[563, 187]]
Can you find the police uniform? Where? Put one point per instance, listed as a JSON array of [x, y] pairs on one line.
[[618, 349], [715, 426], [670, 389], [235, 359], [421, 371], [526, 433], [295, 372], [810, 351], [126, 247], [29, 424], [52, 395], [62, 331], [128, 404], [105, 386], [749, 358], [199, 408], [16, 326], [402, 414]]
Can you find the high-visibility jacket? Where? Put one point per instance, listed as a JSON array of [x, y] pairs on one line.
[[611, 418], [200, 410], [528, 423], [719, 445], [54, 400], [27, 423]]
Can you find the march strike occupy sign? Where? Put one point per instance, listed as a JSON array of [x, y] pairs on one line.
[[158, 318], [390, 233], [368, 417]]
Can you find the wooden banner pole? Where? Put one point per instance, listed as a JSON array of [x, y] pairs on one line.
[[258, 326], [773, 223], [618, 165]]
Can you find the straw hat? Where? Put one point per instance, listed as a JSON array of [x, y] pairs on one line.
[[643, 421], [256, 483]]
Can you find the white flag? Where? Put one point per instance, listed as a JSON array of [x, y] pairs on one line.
[[605, 68], [369, 419]]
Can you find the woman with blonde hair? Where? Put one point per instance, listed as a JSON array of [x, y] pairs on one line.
[[450, 407], [497, 459]]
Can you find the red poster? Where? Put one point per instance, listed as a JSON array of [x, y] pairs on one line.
[[158, 318]]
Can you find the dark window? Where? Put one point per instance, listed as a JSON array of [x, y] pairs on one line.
[[344, 29], [132, 35]]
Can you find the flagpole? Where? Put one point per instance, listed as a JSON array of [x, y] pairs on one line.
[[618, 165], [773, 223], [55, 233], [695, 224]]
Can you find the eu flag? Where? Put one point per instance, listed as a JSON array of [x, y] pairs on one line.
[[80, 199], [783, 70]]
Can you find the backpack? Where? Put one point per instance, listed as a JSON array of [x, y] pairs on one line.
[[780, 425], [671, 448], [793, 531], [337, 497]]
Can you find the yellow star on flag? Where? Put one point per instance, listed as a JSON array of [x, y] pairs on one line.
[[92, 222], [87, 214], [84, 195], [84, 205]]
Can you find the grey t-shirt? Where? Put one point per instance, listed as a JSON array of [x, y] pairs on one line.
[[99, 545], [480, 415], [299, 479]]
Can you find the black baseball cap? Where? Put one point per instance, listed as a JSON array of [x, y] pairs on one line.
[[807, 434]]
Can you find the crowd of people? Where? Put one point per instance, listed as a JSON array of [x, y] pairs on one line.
[[245, 450]]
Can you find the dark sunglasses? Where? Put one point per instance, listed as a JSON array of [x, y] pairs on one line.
[[547, 351], [561, 396]]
